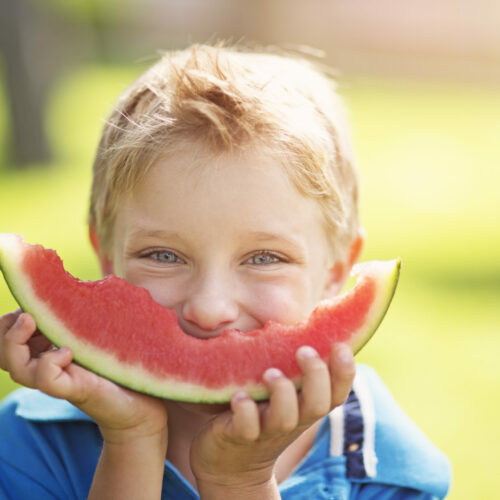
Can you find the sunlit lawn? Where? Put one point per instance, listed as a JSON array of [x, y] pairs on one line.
[[429, 160]]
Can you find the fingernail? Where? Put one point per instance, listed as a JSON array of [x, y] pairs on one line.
[[20, 320], [240, 396], [307, 351], [272, 374]]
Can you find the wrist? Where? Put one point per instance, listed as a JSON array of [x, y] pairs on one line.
[[130, 467], [262, 489], [119, 437], [136, 446]]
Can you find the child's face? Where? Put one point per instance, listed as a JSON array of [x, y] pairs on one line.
[[228, 244]]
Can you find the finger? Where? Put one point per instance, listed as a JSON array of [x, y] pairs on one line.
[[51, 375], [315, 396], [342, 370], [281, 415], [16, 356], [7, 320], [6, 323], [244, 424]]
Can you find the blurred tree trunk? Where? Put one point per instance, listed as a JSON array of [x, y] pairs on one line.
[[24, 93]]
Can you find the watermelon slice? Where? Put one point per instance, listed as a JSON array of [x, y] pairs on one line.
[[118, 331]]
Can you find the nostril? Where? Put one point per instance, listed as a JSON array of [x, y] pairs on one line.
[[197, 331], [207, 318]]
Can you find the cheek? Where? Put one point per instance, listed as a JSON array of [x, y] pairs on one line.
[[284, 304], [163, 290]]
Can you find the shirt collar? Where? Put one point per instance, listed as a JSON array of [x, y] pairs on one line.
[[37, 406]]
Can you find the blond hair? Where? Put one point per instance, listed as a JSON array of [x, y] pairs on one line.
[[227, 99]]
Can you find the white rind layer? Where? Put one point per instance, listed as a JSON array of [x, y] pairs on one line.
[[386, 274]]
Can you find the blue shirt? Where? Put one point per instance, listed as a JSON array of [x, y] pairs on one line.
[[366, 449]]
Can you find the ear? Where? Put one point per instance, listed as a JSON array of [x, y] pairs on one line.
[[356, 247], [339, 272], [335, 281], [105, 262]]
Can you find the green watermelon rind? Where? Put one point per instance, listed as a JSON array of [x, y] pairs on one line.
[[387, 287], [137, 378]]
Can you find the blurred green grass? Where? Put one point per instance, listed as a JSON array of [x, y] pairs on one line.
[[428, 156]]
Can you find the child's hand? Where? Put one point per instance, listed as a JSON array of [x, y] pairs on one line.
[[237, 450], [133, 425], [32, 361]]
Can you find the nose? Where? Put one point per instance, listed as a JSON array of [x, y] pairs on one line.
[[209, 309]]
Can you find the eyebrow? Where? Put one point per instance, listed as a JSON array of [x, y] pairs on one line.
[[275, 237], [154, 233], [257, 235]]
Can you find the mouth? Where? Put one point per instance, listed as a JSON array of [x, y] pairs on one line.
[[201, 333]]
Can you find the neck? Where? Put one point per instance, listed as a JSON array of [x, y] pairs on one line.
[[185, 421]]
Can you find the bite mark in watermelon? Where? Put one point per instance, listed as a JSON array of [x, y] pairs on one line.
[[117, 330]]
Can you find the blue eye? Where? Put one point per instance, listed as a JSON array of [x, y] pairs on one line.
[[166, 257], [264, 258]]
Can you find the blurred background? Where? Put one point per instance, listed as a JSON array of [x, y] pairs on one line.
[[422, 84]]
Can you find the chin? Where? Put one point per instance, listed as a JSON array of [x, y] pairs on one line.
[[205, 408]]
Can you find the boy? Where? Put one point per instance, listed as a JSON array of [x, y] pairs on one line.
[[225, 185]]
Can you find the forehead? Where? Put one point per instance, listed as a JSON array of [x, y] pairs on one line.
[[249, 193]]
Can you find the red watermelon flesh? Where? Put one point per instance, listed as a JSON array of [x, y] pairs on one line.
[[117, 330]]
